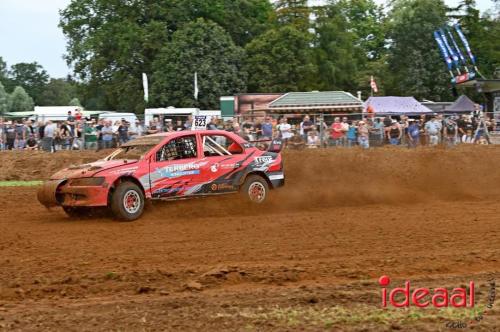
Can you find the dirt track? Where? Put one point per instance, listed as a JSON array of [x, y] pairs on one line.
[[309, 260]]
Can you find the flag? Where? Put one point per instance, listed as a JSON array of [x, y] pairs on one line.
[[373, 84], [196, 91], [145, 86]]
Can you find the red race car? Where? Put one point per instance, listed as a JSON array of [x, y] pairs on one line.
[[165, 166]]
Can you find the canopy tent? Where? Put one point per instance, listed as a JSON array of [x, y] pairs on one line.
[[316, 102], [461, 105], [395, 106]]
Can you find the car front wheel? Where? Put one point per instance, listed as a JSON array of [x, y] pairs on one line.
[[127, 202], [255, 189]]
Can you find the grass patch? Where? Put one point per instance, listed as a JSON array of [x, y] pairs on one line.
[[325, 318], [20, 183]]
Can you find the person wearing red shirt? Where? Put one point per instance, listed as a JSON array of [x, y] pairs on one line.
[[337, 133]]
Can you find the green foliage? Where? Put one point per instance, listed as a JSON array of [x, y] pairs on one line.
[[293, 12], [31, 76], [415, 62], [3, 69], [4, 99], [20, 101], [75, 102], [279, 61], [203, 47], [57, 93], [113, 42], [335, 53]]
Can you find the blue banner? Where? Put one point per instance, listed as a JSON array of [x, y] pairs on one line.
[[457, 49], [444, 51], [448, 47], [466, 43]]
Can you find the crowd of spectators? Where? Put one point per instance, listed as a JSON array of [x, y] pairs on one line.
[[76, 132]]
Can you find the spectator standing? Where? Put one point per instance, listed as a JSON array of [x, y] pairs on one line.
[[107, 135], [432, 129], [345, 128], [178, 126], [10, 136], [413, 133], [153, 127], [65, 135], [378, 132], [90, 136], [212, 124], [138, 130], [2, 134], [363, 135], [351, 135], [98, 128], [20, 141], [450, 132], [70, 120], [305, 126], [41, 129], [267, 128], [258, 128], [49, 133], [285, 130], [123, 132], [394, 133], [189, 123], [336, 132]]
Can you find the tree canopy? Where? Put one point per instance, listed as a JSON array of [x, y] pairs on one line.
[[20, 101], [205, 48], [252, 46]]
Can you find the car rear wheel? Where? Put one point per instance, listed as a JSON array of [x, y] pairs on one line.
[[127, 202], [255, 189]]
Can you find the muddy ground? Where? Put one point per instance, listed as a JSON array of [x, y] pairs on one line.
[[308, 260]]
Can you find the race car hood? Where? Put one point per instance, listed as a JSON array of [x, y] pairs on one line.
[[90, 169]]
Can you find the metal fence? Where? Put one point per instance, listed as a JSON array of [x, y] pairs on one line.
[[377, 135]]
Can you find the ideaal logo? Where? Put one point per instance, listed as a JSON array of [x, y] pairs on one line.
[[422, 297]]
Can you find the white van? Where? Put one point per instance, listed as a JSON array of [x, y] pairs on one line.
[[55, 113]]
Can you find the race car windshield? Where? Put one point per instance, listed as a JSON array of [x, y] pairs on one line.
[[135, 152], [135, 149]]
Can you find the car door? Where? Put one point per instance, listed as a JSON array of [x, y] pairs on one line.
[[222, 156], [175, 168]]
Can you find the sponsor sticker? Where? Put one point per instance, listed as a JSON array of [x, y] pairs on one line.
[[263, 159], [174, 171], [221, 187]]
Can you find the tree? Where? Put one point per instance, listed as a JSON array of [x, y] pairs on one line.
[[111, 43], [20, 101], [75, 102], [242, 19], [203, 47], [4, 100], [414, 60], [31, 76], [57, 93], [279, 61], [335, 53], [293, 12], [3, 69]]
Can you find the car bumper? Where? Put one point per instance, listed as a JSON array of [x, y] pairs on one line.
[[277, 179], [60, 193]]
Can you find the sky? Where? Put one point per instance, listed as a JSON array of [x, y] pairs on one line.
[[29, 32]]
